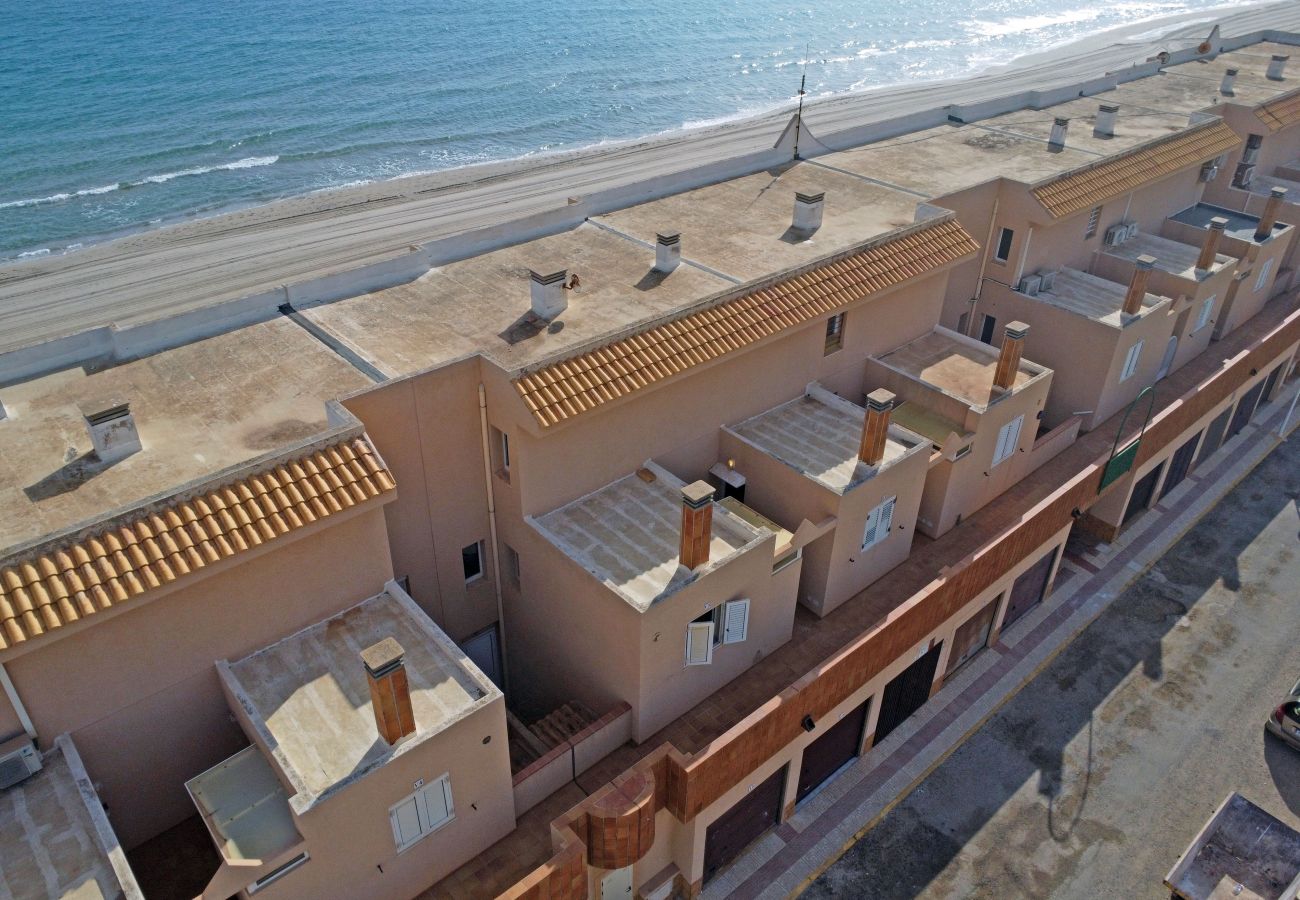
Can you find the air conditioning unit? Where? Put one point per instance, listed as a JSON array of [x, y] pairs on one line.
[[1048, 277], [1115, 235], [1130, 231], [1031, 284], [1209, 172], [1243, 176], [1249, 155], [18, 761]]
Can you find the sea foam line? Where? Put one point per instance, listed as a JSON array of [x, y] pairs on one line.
[[251, 162]]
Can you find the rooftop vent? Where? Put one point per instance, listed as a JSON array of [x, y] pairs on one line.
[[1229, 79], [112, 429], [697, 524], [1060, 125], [668, 251], [548, 293], [1275, 67], [1013, 346], [875, 427], [808, 211], [1137, 287], [1104, 127], [390, 694], [1210, 247], [1272, 207]]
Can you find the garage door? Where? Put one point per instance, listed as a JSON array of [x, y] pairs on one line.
[[831, 752], [741, 825], [1028, 589], [1245, 409], [1143, 491], [972, 636], [907, 692], [1180, 465]]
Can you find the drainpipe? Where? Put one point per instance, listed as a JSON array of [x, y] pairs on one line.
[[984, 264], [492, 530], [12, 693]]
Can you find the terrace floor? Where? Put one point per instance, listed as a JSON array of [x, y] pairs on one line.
[[528, 846]]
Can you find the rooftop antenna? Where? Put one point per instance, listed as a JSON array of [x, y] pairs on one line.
[[798, 118]]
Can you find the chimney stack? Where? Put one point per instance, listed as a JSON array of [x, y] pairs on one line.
[[1210, 248], [1137, 288], [668, 251], [1013, 345], [808, 211], [548, 293], [112, 429], [875, 427], [1229, 78], [1060, 125], [1271, 208], [1275, 67], [390, 695], [697, 524], [1104, 127]]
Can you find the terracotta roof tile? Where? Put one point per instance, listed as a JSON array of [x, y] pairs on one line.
[[63, 584], [1083, 188], [1281, 111], [573, 386]]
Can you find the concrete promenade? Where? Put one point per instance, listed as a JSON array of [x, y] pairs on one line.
[[401, 227]]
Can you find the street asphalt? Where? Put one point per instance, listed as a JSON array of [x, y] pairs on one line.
[[1092, 780]]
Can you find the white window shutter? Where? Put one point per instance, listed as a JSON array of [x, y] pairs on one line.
[[735, 621], [437, 803], [1008, 439], [406, 822], [1206, 308], [869, 532], [1131, 361], [699, 643], [886, 518]]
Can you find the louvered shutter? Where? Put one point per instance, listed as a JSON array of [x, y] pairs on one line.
[[735, 622], [869, 532], [886, 519], [699, 643], [406, 821], [437, 803]]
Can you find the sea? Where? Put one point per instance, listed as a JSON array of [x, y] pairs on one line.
[[122, 115]]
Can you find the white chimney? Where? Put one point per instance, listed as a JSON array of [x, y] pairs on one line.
[[808, 211], [1229, 78], [668, 251], [112, 429], [548, 293], [1105, 124], [1060, 126], [1275, 67]]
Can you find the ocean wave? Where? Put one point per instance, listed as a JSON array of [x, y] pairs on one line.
[[251, 162]]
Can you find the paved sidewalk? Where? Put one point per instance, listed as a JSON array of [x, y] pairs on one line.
[[786, 859]]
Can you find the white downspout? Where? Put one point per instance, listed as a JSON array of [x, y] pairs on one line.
[[12, 693], [492, 530], [984, 265]]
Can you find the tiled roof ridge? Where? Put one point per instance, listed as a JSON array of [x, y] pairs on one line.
[[1280, 111], [1095, 182], [69, 578], [587, 378]]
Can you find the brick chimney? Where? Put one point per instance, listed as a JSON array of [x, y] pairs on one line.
[[1060, 125], [668, 251], [1229, 78], [808, 210], [1275, 67], [697, 523], [390, 695], [1013, 345], [1271, 208], [875, 427], [1210, 247], [1137, 288], [1104, 126]]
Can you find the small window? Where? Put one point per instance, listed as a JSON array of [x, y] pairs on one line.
[[277, 873], [1094, 218], [1008, 440], [501, 454], [834, 333], [879, 522], [1004, 245], [1264, 271], [512, 564], [1131, 361], [987, 328], [1203, 317], [471, 558], [422, 813]]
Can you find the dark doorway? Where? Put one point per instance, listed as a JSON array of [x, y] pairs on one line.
[[831, 752], [1179, 465], [1143, 491], [1214, 435], [743, 824], [1029, 589], [1245, 409], [988, 326], [1271, 381], [907, 693]]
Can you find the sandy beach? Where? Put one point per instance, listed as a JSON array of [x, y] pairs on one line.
[[206, 262]]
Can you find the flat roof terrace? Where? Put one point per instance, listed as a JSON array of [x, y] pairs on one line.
[[55, 839], [1188, 88], [483, 303], [1251, 63], [627, 535], [309, 697], [958, 366], [1240, 225], [743, 227], [1095, 298], [1171, 256], [199, 408], [1133, 126], [818, 435]]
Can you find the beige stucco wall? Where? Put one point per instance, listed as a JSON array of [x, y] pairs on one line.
[[137, 690]]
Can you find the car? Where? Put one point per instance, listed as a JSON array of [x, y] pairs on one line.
[[1285, 720]]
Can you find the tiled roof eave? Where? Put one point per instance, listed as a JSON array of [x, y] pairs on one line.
[[69, 579], [1280, 112], [559, 391]]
